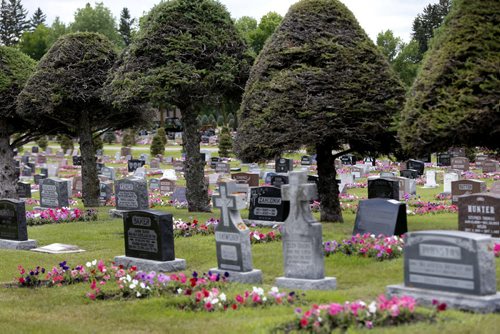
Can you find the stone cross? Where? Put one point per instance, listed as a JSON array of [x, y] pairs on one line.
[[299, 193], [226, 203]]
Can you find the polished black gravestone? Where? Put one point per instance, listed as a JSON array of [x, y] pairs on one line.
[[444, 159], [267, 205], [456, 268], [133, 164], [149, 242], [383, 188], [232, 239], [417, 165], [283, 165], [23, 190], [306, 160], [381, 216], [279, 180], [13, 228], [302, 240], [479, 213], [77, 160], [409, 173]]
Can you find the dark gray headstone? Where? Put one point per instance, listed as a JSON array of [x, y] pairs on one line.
[[54, 193], [381, 216], [460, 163], [306, 160], [25, 159], [409, 173], [154, 184], [99, 167], [26, 171], [283, 165], [214, 161], [179, 194], [266, 204], [149, 235], [348, 159], [38, 177], [232, 236], [268, 177], [106, 190], [77, 160], [223, 167], [479, 213], [444, 159], [44, 171], [383, 188], [490, 166], [31, 165], [417, 165], [23, 190], [133, 164], [109, 172], [13, 220], [279, 180], [131, 194], [34, 149], [167, 186], [450, 261]]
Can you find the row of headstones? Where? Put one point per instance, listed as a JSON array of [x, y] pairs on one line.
[[455, 267]]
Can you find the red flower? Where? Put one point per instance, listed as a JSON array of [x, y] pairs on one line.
[[21, 280], [133, 268], [441, 307], [304, 322], [234, 306]]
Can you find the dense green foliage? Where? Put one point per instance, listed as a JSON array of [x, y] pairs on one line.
[[425, 23], [13, 21], [66, 142], [97, 19], [37, 18], [189, 55], [42, 142], [128, 138], [163, 135], [157, 145], [125, 26], [109, 137], [318, 80], [454, 100], [225, 142], [256, 35], [35, 43]]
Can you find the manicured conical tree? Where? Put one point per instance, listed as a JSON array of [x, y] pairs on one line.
[[455, 98], [157, 146], [319, 81], [225, 142], [187, 54], [15, 69], [66, 91]]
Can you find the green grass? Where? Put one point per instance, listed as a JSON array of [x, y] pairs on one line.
[[67, 310]]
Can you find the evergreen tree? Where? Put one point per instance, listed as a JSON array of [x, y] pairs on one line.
[[157, 145], [454, 99], [43, 142], [187, 54], [66, 142], [125, 27], [109, 137], [37, 18], [128, 138], [319, 81], [35, 43], [225, 142], [163, 135], [425, 23], [13, 22]]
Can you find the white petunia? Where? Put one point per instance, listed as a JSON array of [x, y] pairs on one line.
[[179, 291], [138, 294], [88, 264], [222, 297], [264, 299], [372, 308], [142, 285], [135, 281], [215, 301], [132, 286], [275, 289], [94, 262]]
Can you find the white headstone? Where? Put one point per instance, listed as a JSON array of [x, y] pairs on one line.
[[448, 178], [430, 179]]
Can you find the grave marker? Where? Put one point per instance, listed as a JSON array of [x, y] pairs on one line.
[[381, 216], [246, 178], [455, 268], [166, 186], [266, 204], [283, 165], [490, 166], [479, 213], [133, 164], [23, 190], [131, 194], [13, 228], [383, 188], [466, 187], [279, 180], [302, 239], [460, 163], [54, 193]]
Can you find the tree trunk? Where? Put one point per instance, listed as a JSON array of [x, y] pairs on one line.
[[328, 189], [8, 177], [90, 182], [196, 187]]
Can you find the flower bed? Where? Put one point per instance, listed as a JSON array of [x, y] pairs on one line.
[[358, 314], [257, 237], [422, 208], [367, 245], [188, 229], [59, 215]]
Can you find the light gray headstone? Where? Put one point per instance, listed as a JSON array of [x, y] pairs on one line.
[[53, 193]]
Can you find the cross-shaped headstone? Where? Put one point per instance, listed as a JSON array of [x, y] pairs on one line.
[[299, 193], [227, 203]]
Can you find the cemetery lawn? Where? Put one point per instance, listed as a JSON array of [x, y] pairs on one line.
[[66, 309]]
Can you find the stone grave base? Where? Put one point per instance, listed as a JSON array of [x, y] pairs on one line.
[[261, 223], [114, 213], [151, 265], [254, 276], [15, 244], [480, 304], [327, 283]]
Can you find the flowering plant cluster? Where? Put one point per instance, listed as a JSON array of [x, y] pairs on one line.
[[349, 198], [356, 185], [422, 208], [496, 250], [213, 299], [367, 245], [381, 312], [188, 229], [60, 275], [137, 284], [257, 237], [31, 201], [443, 197], [60, 215]]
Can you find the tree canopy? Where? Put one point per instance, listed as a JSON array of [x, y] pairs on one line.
[[187, 54], [318, 81], [15, 69], [66, 90], [454, 100]]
